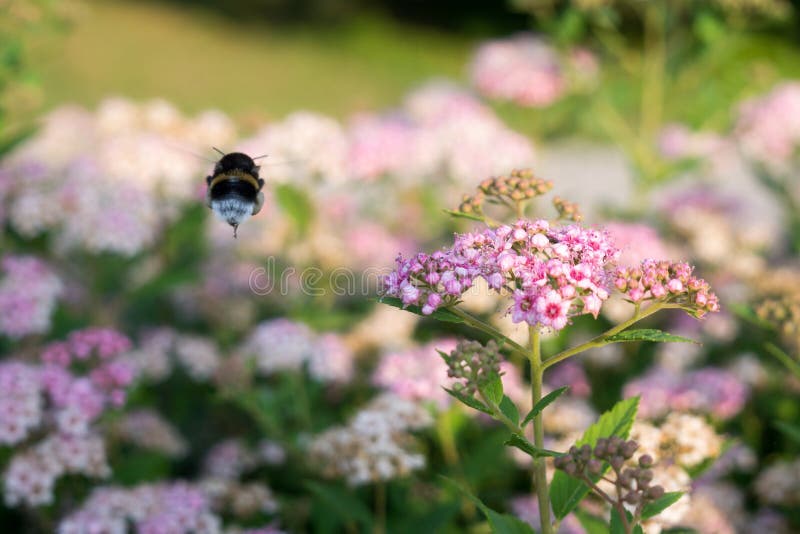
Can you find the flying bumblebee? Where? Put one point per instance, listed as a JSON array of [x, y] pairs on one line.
[[234, 189]]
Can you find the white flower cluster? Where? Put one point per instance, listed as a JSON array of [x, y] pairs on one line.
[[147, 429], [682, 441], [106, 181], [31, 475], [284, 345], [780, 483], [159, 350], [375, 445]]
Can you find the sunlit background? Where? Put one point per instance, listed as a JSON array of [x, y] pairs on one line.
[[158, 375]]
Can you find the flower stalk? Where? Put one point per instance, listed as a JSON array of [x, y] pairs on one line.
[[539, 473]]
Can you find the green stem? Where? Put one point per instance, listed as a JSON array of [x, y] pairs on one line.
[[601, 340], [539, 470], [474, 322], [784, 358], [380, 507]]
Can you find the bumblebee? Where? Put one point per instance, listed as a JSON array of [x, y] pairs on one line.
[[234, 189]]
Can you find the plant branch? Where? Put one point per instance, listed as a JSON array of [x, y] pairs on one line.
[[476, 323], [602, 339]]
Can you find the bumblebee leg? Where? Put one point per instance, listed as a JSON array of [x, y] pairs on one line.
[[208, 197], [259, 202]]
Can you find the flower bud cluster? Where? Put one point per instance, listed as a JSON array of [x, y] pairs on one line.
[[633, 483], [472, 364], [567, 210], [519, 186], [667, 281]]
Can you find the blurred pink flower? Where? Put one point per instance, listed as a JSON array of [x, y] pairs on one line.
[[28, 293], [709, 391], [522, 69], [636, 242], [417, 374], [768, 127]]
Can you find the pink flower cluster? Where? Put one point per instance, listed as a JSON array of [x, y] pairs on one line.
[[20, 401], [152, 508], [418, 373], [80, 399], [768, 127], [670, 281], [709, 390], [553, 273], [523, 69], [28, 293], [32, 397]]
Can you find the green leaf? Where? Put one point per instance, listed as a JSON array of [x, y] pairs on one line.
[[472, 402], [543, 403], [648, 334], [509, 409], [529, 448], [346, 505], [790, 430], [492, 389], [566, 492], [591, 523], [499, 523], [616, 526], [442, 314], [462, 215], [659, 505], [296, 204]]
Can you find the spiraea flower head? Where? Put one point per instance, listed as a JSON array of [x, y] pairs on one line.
[[551, 272], [667, 281]]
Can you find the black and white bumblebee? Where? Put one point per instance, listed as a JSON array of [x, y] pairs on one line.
[[234, 189]]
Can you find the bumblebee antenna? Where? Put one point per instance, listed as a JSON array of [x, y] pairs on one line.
[[218, 150], [259, 157]]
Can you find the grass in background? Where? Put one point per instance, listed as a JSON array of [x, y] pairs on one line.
[[200, 60]]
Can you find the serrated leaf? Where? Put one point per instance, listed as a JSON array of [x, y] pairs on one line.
[[648, 334], [346, 505], [529, 448], [442, 314], [472, 402], [659, 505], [509, 409], [543, 403], [462, 215], [499, 523], [790, 430], [566, 492], [492, 389]]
